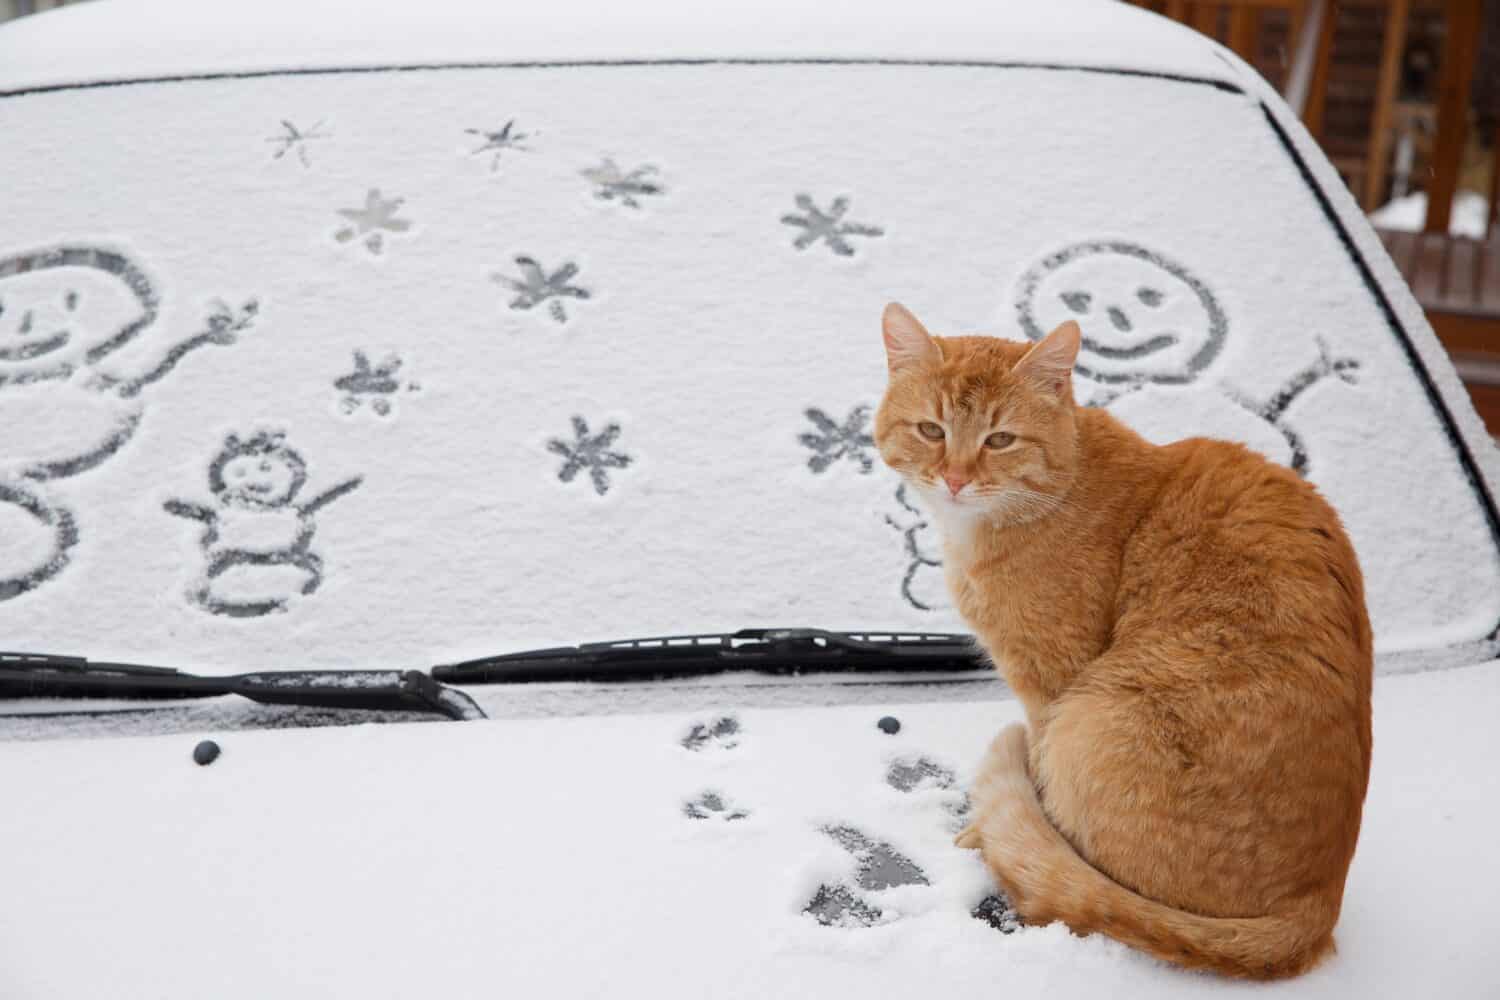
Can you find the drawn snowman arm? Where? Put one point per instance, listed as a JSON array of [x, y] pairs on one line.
[[223, 328], [192, 511], [327, 497]]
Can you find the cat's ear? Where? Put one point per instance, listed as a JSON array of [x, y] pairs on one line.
[[1049, 364], [907, 341]]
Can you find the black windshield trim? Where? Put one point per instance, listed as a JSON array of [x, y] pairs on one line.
[[255, 74], [1466, 458]]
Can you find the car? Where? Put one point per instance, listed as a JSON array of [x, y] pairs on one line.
[[441, 539]]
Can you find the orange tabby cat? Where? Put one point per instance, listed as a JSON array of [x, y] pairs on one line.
[[1186, 628]]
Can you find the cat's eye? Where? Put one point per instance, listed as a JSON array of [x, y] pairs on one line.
[[1000, 439], [930, 430]]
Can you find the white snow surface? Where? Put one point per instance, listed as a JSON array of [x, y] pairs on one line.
[[552, 858], [436, 504], [133, 39]]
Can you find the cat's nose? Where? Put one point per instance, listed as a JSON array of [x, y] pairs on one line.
[[955, 483]]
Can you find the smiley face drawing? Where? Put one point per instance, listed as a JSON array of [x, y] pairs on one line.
[[1144, 317], [1148, 321], [64, 408]]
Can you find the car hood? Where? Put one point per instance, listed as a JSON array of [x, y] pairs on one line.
[[558, 858]]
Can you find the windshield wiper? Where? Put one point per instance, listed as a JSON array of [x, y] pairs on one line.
[[765, 650], [32, 675]]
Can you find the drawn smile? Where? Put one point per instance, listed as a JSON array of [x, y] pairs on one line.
[[34, 349], [1127, 353]]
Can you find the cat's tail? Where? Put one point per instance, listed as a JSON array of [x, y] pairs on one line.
[[1047, 880]]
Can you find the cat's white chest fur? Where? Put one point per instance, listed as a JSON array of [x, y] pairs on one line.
[[956, 525]]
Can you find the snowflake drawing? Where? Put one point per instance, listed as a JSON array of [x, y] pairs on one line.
[[613, 184], [591, 452], [828, 227], [375, 384], [834, 441], [537, 286], [373, 221], [507, 138], [293, 137]]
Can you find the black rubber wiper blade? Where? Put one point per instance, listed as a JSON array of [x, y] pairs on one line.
[[764, 650], [38, 675]]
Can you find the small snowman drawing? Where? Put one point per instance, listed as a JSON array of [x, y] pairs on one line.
[[257, 539], [66, 404], [1149, 323], [922, 585]]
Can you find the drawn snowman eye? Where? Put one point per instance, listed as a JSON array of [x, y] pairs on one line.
[[930, 430], [1149, 296], [1000, 439], [1077, 301], [71, 300]]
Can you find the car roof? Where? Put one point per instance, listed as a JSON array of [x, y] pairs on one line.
[[144, 39]]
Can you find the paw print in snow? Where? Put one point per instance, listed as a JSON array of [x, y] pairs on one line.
[[909, 774], [713, 805], [836, 906], [373, 221], [834, 441], [722, 733], [998, 913], [917, 774], [878, 866]]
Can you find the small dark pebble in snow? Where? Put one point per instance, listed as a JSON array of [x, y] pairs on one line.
[[890, 725], [206, 752]]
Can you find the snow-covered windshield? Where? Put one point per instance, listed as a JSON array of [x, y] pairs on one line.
[[403, 367]]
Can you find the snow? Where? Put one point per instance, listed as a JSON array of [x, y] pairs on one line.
[[134, 39], [382, 369], [413, 399], [1470, 216], [556, 858]]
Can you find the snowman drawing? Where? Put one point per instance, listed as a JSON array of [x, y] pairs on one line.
[[922, 585], [1147, 322], [256, 538], [66, 406]]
